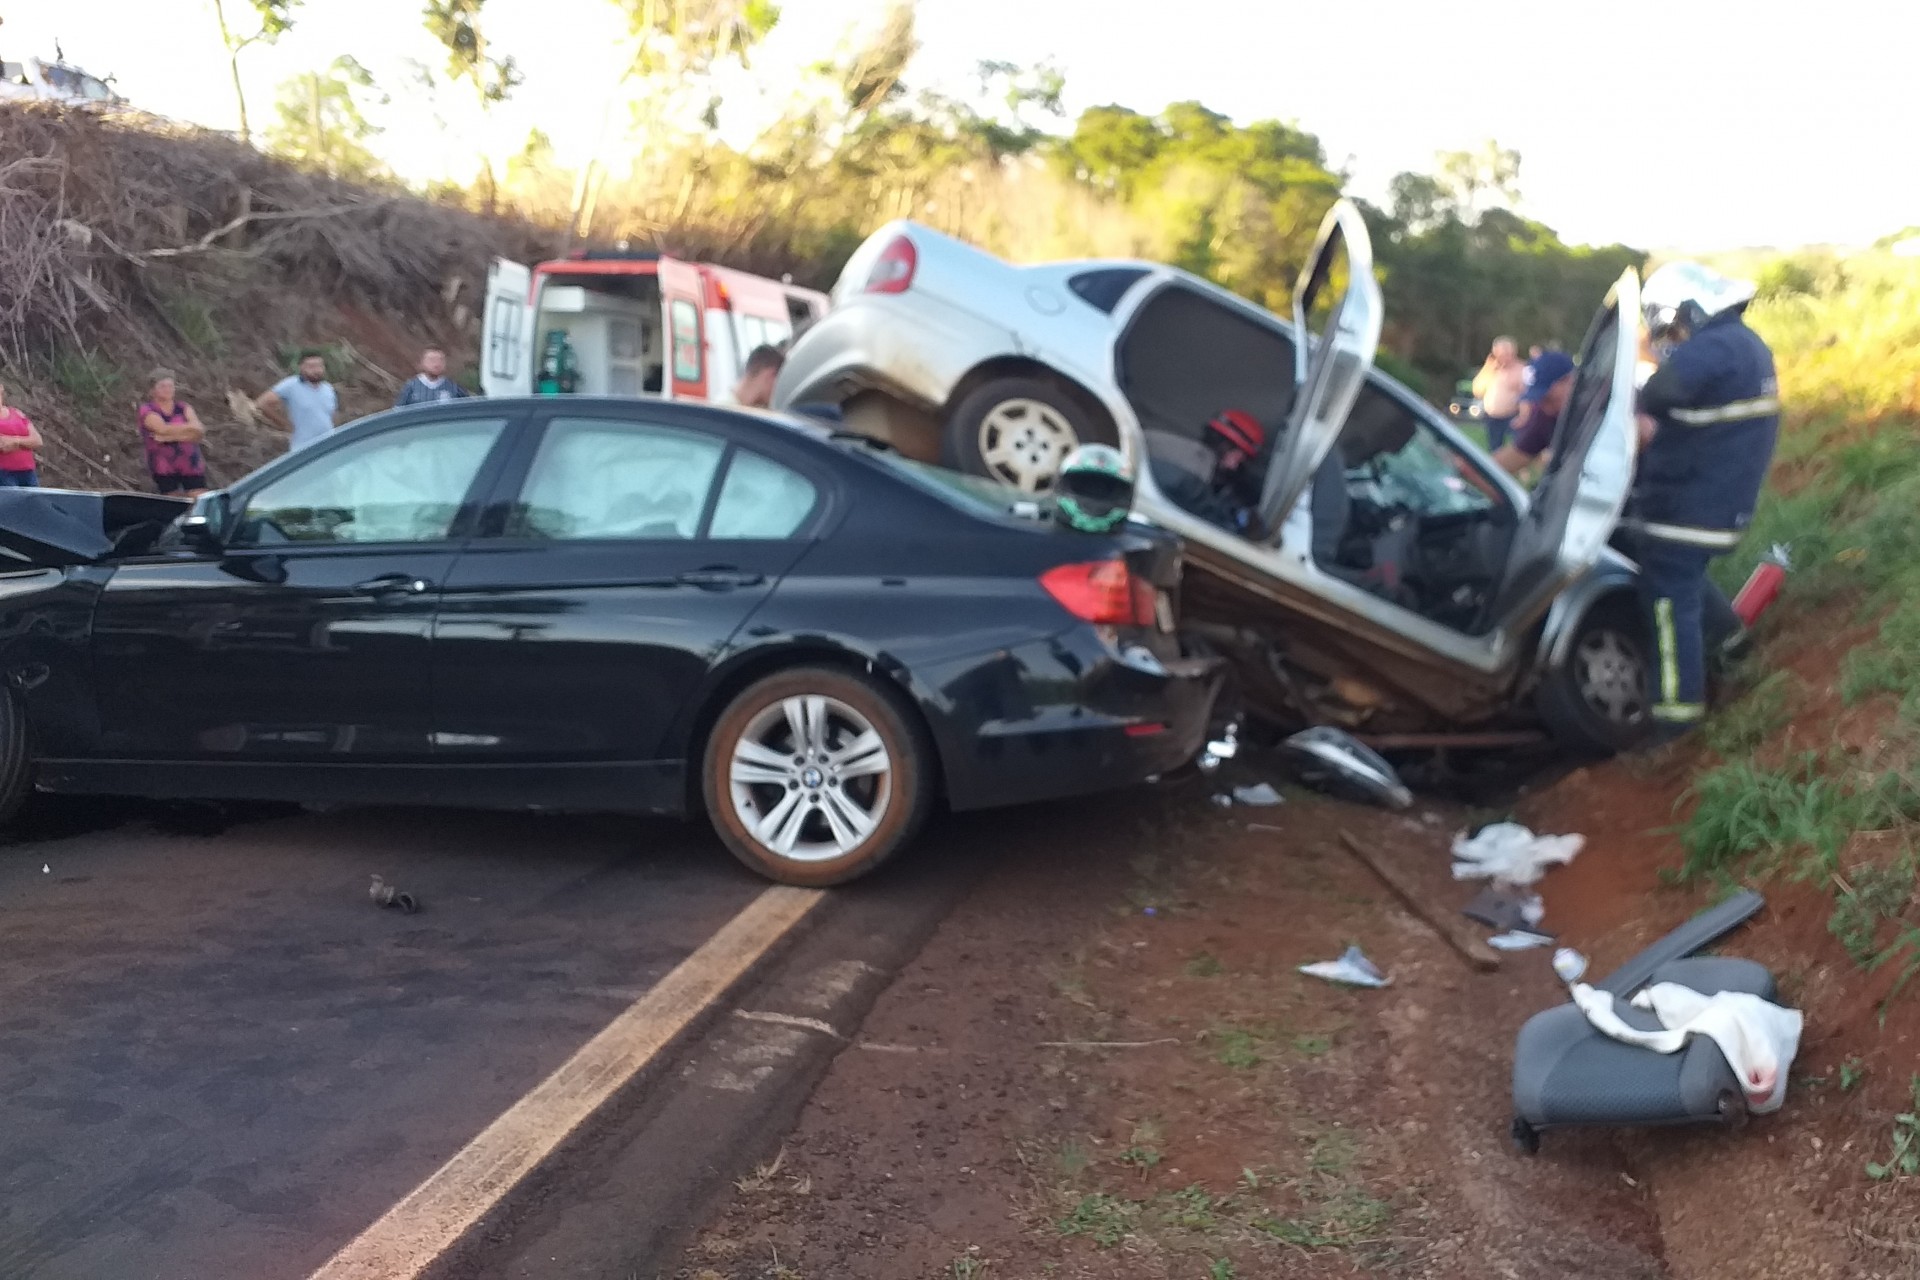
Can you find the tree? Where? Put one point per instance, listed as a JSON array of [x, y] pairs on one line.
[[322, 124], [1489, 173], [275, 19], [456, 25]]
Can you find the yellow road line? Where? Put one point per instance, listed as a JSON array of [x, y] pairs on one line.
[[409, 1236]]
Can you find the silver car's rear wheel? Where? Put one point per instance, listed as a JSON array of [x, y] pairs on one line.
[[1018, 431], [1023, 442], [1612, 676], [1597, 698]]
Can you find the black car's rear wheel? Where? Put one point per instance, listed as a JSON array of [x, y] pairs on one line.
[[814, 776], [16, 764], [1599, 700]]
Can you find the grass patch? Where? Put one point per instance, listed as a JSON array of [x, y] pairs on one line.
[[1868, 895], [1766, 709], [1904, 1161], [1852, 1072], [1892, 665], [1099, 1217], [1237, 1048], [1312, 1046], [1742, 809], [90, 378], [1191, 1208], [192, 317], [1143, 1150], [1205, 965]]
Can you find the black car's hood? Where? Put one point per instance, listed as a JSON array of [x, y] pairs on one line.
[[56, 527]]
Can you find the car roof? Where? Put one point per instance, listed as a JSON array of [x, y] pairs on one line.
[[688, 413]]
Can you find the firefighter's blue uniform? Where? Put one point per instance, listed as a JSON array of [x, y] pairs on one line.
[[1716, 405]]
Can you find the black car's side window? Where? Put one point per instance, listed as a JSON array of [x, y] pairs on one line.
[[600, 478], [398, 486], [761, 499]]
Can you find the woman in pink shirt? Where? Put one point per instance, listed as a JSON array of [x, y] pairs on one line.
[[171, 432], [19, 445]]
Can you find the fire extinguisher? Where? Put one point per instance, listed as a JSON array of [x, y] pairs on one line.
[[1762, 585]]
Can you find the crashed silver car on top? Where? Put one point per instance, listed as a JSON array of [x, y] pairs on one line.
[[1507, 609]]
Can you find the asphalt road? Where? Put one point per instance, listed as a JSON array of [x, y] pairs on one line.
[[219, 1059]]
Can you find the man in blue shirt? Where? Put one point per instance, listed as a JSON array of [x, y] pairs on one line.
[[308, 399]]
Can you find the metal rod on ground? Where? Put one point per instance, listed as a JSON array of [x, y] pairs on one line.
[[1453, 932]]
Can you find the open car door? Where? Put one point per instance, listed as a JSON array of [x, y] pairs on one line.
[[506, 337], [1574, 508], [1337, 292]]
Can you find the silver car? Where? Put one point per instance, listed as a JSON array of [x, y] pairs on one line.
[[1388, 578]]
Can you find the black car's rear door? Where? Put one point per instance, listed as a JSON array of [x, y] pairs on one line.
[[306, 636], [628, 545]]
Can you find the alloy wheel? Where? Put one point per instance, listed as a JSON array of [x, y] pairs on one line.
[[810, 778], [1612, 676]]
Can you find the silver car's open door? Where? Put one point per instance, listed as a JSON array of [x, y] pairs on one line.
[[1574, 508], [1336, 317]]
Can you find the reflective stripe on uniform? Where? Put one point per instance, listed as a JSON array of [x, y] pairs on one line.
[[1679, 712], [1738, 411], [1669, 652], [1692, 535]]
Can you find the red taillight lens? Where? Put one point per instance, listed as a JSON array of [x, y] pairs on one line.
[[893, 272], [1104, 592]]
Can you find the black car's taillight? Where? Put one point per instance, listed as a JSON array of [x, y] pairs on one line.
[[1104, 592]]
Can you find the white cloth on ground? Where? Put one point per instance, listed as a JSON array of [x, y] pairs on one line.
[[1757, 1037], [1510, 853]]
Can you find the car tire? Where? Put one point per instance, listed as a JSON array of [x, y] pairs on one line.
[[1599, 700], [1018, 431], [831, 810], [16, 762]]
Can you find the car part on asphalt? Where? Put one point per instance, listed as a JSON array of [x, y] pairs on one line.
[[1260, 796], [1352, 969], [1566, 1072], [1220, 749], [1519, 940], [386, 895], [1336, 760], [1504, 909]]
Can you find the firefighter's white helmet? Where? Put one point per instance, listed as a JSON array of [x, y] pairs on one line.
[[1681, 296]]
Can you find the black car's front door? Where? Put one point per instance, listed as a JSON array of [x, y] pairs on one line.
[[308, 635], [635, 546]]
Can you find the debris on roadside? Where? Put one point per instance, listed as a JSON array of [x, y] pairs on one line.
[[1336, 761], [1510, 853], [1519, 940], [1221, 749], [1352, 969], [386, 895], [1757, 1037], [1504, 909], [1260, 795], [1421, 904]]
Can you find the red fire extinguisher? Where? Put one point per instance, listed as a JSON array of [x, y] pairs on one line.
[[1762, 585]]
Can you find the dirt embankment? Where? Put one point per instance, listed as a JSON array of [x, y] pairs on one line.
[[126, 244]]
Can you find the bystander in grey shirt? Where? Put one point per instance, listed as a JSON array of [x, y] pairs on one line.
[[310, 407]]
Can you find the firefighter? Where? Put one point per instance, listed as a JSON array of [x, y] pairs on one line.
[[1715, 410]]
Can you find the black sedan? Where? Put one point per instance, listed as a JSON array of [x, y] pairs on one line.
[[583, 604]]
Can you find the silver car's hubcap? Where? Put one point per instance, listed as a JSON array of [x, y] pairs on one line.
[[1612, 677], [1023, 442], [810, 778]]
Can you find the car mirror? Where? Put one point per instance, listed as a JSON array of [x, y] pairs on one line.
[[204, 527]]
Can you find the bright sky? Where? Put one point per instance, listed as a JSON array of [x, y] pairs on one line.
[[1698, 124]]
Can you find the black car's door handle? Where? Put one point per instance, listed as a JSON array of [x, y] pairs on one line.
[[720, 578], [392, 584]]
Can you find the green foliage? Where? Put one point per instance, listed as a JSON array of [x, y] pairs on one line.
[[1742, 809], [1867, 896], [89, 377], [1767, 708], [456, 25], [192, 317], [1852, 1072], [1904, 1162], [1221, 1269], [1205, 965], [322, 122], [1102, 1218], [1236, 1047]]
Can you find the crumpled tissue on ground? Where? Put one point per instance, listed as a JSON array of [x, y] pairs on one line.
[[1758, 1038], [1352, 969], [1510, 853]]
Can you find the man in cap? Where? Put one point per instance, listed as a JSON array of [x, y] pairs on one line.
[[1549, 381]]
